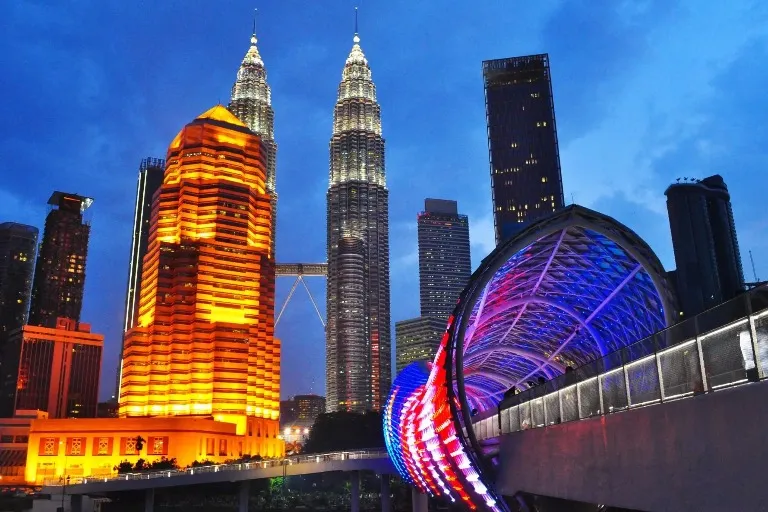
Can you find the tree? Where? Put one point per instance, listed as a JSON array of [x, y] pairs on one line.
[[163, 464], [204, 462], [344, 430], [124, 467]]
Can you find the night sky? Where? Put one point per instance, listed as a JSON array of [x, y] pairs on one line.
[[645, 92]]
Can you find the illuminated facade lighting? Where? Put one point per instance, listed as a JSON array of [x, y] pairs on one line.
[[57, 369], [358, 346], [564, 291], [204, 341], [150, 178], [251, 102]]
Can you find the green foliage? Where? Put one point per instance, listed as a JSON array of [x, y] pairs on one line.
[[163, 464], [343, 430], [124, 467], [204, 462]]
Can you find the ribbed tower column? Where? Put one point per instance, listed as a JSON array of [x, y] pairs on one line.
[[358, 346], [251, 102]]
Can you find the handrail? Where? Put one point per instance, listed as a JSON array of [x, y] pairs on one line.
[[375, 453], [679, 362]]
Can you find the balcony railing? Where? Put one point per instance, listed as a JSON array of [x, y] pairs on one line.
[[244, 466], [703, 354]]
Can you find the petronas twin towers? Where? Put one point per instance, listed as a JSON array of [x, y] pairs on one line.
[[358, 345]]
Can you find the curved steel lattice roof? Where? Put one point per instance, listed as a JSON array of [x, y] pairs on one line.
[[569, 289]]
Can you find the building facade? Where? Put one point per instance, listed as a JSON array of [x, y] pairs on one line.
[[60, 271], [417, 339], [309, 407], [358, 344], [709, 270], [14, 442], [150, 178], [93, 447], [444, 257], [522, 142], [204, 341], [251, 102], [58, 370], [18, 247]]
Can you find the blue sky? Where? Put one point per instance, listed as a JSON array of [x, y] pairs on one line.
[[645, 92]]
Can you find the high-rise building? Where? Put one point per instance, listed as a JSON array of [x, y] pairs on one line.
[[58, 370], [150, 178], [251, 102], [522, 142], [444, 259], [18, 246], [309, 406], [204, 344], [417, 339], [709, 269], [358, 345], [59, 282]]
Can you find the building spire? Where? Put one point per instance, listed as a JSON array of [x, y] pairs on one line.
[[255, 13], [356, 39]]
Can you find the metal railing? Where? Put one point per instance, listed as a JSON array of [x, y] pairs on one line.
[[699, 355], [243, 466]]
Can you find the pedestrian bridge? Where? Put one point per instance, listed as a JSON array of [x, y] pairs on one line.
[[361, 460], [648, 428]]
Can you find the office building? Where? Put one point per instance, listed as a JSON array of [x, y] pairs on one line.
[[417, 339], [58, 369], [59, 282], [358, 344], [251, 102], [444, 259], [522, 142], [309, 407], [288, 411], [18, 247], [707, 257], [150, 178], [204, 344]]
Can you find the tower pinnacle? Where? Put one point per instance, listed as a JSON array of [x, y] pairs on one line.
[[356, 39]]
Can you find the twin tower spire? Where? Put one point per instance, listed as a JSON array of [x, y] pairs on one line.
[[358, 339]]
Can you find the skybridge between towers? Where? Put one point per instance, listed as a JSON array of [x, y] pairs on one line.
[[300, 271]]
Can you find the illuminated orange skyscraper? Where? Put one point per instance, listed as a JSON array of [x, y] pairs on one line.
[[204, 342]]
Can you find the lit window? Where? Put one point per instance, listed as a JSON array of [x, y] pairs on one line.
[[76, 446]]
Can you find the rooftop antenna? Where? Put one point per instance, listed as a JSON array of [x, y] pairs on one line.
[[573, 201], [754, 272]]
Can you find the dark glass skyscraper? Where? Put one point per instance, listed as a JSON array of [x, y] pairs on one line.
[[150, 178], [358, 345], [444, 260], [18, 246], [60, 272], [522, 142], [709, 269]]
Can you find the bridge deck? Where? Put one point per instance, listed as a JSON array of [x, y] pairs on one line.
[[363, 460]]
